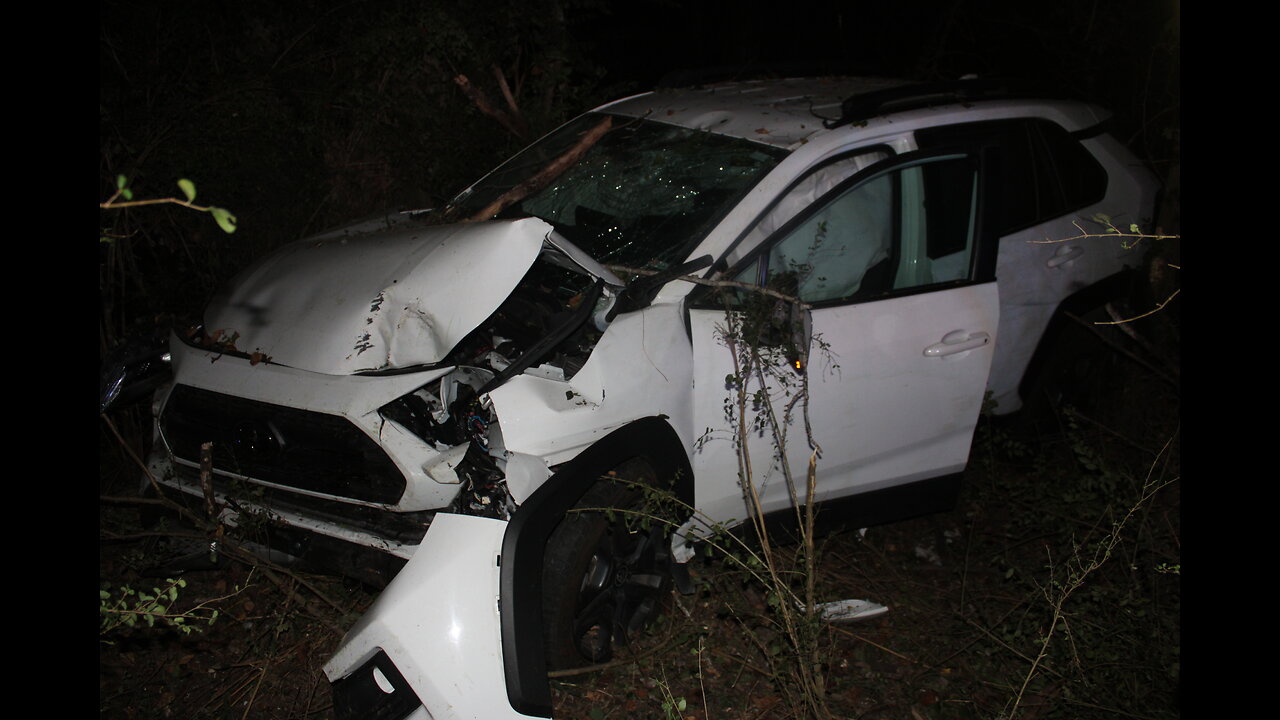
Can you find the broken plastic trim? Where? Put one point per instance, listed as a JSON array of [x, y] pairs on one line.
[[376, 691]]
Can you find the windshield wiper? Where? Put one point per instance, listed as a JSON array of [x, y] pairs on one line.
[[640, 293]]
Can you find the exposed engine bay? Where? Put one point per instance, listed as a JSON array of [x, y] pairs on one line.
[[548, 326]]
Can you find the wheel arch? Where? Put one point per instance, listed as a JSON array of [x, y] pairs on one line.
[[1120, 285], [520, 588]]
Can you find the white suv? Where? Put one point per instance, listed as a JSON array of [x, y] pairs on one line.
[[424, 396]]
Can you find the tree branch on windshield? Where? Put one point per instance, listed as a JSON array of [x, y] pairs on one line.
[[546, 174]]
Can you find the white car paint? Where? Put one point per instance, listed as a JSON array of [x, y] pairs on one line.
[[439, 621], [926, 406], [641, 367], [345, 304]]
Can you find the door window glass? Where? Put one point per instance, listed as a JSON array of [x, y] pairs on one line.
[[908, 227]]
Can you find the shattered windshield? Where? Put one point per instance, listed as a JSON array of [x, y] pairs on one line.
[[627, 191]]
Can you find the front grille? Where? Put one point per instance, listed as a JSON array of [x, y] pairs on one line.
[[404, 527], [282, 445], [319, 553]]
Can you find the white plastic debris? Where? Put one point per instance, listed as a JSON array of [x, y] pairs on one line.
[[928, 553], [848, 610]]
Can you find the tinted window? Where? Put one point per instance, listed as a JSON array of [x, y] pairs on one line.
[[1039, 172]]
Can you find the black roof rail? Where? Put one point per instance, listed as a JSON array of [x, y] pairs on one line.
[[865, 106]]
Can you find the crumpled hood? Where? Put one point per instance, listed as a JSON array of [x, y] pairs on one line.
[[403, 297]]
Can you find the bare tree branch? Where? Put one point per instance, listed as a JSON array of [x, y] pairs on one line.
[[546, 174], [512, 121]]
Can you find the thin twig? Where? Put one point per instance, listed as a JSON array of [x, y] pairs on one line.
[[742, 662], [548, 173], [797, 302], [706, 708], [1078, 570], [1121, 349], [112, 204], [1113, 232], [262, 674], [1153, 311], [875, 644]]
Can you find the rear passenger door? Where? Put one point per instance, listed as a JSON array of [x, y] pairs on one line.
[[898, 273], [1043, 188]]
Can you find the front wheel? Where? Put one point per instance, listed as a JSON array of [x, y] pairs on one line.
[[606, 570]]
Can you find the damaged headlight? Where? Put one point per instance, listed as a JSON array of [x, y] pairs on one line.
[[132, 371], [445, 412], [448, 415]]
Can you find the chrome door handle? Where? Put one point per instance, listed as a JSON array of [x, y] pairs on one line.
[[1065, 254], [957, 341]]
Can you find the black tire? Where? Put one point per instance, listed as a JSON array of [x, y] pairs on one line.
[[604, 576], [1080, 370]]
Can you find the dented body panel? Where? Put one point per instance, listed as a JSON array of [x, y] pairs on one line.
[[642, 366], [347, 304]]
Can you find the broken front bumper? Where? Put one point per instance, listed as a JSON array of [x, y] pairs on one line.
[[431, 644]]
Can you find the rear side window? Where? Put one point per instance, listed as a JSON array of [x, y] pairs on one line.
[[1039, 172]]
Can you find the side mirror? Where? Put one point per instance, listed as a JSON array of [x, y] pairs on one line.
[[133, 370]]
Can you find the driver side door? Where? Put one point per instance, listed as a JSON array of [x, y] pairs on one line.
[[894, 346]]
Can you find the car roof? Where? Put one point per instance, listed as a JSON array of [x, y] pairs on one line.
[[787, 113], [776, 112]]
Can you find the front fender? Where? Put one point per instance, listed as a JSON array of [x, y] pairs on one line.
[[433, 639], [463, 618], [531, 525]]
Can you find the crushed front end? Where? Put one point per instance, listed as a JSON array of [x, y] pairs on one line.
[[330, 454]]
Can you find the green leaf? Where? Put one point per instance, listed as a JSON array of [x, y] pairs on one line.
[[121, 181], [188, 189], [126, 193], [225, 220]]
